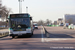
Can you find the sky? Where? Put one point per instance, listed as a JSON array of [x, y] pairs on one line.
[[43, 9]]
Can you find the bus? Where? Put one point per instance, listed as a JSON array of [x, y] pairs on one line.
[[20, 24]]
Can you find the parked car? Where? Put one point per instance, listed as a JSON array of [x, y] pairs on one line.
[[35, 26], [61, 24]]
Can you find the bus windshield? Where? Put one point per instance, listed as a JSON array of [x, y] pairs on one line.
[[20, 23]]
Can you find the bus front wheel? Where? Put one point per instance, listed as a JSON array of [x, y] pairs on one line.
[[32, 33], [13, 36]]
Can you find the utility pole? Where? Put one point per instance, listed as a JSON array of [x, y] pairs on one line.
[[0, 4], [0, 7], [26, 9], [20, 5]]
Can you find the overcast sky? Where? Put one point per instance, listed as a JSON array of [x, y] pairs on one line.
[[43, 9]]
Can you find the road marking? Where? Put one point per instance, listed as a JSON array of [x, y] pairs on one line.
[[58, 39], [42, 34]]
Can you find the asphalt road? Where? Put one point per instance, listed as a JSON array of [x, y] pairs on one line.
[[59, 32], [37, 42]]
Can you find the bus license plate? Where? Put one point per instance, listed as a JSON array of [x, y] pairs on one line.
[[19, 34]]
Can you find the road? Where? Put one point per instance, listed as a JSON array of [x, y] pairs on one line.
[[59, 32], [37, 42]]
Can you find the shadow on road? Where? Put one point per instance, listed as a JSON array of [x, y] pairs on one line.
[[60, 36], [36, 34]]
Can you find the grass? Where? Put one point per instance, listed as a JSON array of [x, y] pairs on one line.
[[53, 25]]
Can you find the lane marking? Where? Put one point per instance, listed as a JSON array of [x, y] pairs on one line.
[[42, 34], [58, 39]]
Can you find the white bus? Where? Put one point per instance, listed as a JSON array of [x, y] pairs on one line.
[[20, 24]]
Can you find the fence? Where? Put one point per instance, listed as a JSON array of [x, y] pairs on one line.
[[2, 34]]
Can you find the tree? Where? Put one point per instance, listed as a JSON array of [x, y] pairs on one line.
[[40, 22], [48, 21], [4, 12]]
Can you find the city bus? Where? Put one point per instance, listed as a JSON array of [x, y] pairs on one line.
[[20, 24]]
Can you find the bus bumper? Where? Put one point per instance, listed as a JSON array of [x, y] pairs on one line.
[[19, 34]]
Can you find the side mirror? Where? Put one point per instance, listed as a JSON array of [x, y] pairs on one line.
[[30, 18]]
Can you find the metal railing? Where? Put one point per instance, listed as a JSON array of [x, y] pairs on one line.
[[2, 34]]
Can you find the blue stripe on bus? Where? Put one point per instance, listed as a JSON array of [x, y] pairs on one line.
[[29, 28], [10, 29]]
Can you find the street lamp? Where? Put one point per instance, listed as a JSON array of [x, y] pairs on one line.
[[26, 9], [20, 6]]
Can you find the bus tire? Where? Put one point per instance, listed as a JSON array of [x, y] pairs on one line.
[[13, 37], [32, 33]]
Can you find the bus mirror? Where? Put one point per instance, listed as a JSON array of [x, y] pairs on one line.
[[30, 18]]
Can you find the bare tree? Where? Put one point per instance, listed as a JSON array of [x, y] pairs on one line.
[[40, 22], [48, 21], [4, 12]]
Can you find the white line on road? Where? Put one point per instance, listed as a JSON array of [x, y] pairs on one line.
[[42, 34], [58, 39]]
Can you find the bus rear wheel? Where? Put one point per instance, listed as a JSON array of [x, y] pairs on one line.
[[31, 34]]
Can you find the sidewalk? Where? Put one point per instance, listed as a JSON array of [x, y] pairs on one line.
[[4, 30]]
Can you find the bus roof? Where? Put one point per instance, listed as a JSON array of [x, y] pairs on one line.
[[19, 15]]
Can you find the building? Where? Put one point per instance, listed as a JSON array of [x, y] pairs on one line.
[[0, 3], [69, 18]]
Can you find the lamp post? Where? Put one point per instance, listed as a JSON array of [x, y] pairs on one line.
[[26, 9], [20, 6]]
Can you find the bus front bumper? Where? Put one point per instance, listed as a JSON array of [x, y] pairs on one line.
[[19, 34]]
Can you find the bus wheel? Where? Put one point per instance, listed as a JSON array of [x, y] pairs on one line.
[[32, 33], [13, 36]]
